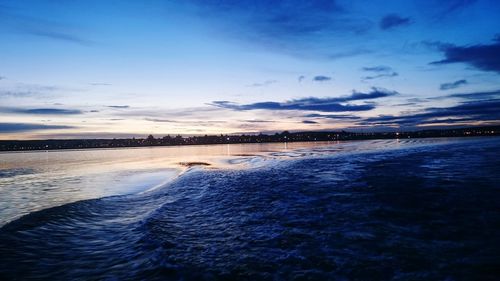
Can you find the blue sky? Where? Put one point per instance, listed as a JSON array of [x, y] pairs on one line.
[[130, 68]]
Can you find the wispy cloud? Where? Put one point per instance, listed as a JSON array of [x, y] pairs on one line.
[[295, 105], [473, 95], [382, 75], [17, 94], [90, 135], [119, 106], [190, 122], [348, 53], [24, 90], [379, 71], [57, 35], [488, 110], [375, 93], [393, 20], [322, 78], [452, 6], [159, 120], [309, 122], [15, 20], [40, 111], [333, 116], [263, 84], [201, 113], [258, 121], [292, 26], [378, 68], [452, 85], [483, 57], [282, 18], [27, 127], [333, 104]]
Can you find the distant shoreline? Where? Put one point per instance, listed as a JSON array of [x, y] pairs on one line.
[[312, 136]]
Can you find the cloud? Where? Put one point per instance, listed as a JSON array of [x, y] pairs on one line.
[[160, 120], [486, 110], [276, 18], [292, 26], [17, 94], [201, 113], [119, 106], [41, 111], [309, 122], [57, 35], [455, 5], [90, 135], [374, 94], [294, 105], [333, 116], [313, 103], [393, 20], [24, 24], [474, 95], [191, 122], [406, 104], [381, 72], [378, 68], [23, 90], [263, 84], [26, 127], [2, 77], [483, 57], [348, 53], [258, 121], [452, 85], [438, 11], [391, 74], [321, 78]]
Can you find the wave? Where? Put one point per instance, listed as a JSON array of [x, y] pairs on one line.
[[405, 214]]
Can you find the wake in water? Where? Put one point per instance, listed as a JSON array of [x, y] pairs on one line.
[[425, 212]]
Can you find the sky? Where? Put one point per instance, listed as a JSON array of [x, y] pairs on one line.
[[111, 69]]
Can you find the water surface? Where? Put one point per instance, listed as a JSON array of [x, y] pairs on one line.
[[369, 210]]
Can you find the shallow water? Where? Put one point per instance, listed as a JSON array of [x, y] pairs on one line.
[[31, 181], [370, 210]]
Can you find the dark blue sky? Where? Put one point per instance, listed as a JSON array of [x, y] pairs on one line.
[[117, 68]]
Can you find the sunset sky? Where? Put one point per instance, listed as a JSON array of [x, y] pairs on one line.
[[87, 69]]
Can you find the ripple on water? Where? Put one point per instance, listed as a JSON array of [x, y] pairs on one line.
[[387, 215]]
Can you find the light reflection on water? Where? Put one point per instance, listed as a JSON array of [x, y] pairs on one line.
[[369, 210], [31, 181]]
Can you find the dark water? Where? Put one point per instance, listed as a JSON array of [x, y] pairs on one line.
[[416, 213]]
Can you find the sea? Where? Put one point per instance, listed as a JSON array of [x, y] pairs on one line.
[[398, 209]]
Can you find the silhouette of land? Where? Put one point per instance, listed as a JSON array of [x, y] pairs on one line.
[[22, 145]]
